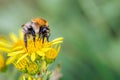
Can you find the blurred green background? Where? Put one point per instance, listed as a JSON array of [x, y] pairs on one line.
[[91, 31]]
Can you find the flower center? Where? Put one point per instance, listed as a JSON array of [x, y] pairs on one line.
[[34, 46]]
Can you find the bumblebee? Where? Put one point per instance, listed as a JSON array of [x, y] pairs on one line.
[[37, 26]]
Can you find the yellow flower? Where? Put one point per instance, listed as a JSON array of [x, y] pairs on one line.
[[30, 78], [29, 59], [22, 65], [2, 62], [32, 68], [26, 77]]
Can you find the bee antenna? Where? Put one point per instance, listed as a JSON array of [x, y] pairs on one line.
[[22, 25]]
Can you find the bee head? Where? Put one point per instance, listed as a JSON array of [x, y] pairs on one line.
[[44, 30]]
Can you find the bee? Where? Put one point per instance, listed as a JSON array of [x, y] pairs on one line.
[[37, 26]]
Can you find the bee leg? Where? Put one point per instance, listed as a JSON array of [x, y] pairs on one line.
[[44, 33], [48, 35], [33, 34], [43, 39], [25, 40], [39, 35], [45, 36]]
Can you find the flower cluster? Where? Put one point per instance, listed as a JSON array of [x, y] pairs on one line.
[[34, 59]]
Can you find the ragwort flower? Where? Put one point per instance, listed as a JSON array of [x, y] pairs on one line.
[[34, 54]]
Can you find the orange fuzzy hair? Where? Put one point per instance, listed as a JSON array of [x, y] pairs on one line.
[[40, 21]]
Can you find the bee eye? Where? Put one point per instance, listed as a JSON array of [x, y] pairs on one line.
[[44, 29]]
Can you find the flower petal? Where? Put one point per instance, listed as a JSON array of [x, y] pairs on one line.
[[5, 44], [13, 37], [15, 53], [40, 53], [57, 42], [23, 56], [58, 39], [45, 49], [4, 49], [33, 56], [20, 34], [58, 49], [10, 60], [17, 48]]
